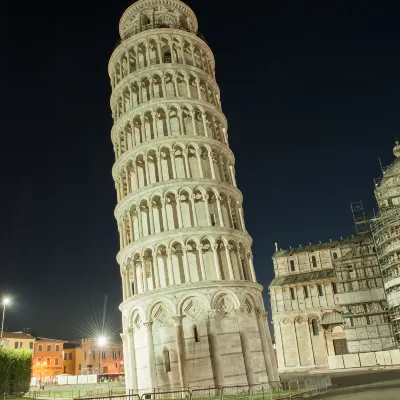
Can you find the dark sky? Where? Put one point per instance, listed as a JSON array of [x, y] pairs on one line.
[[311, 90]]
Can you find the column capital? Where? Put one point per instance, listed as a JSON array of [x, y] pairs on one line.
[[239, 311], [148, 325], [212, 313], [178, 319], [261, 313], [124, 336]]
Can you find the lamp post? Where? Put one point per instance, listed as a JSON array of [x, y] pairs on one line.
[[40, 364], [6, 301], [121, 363], [101, 342]]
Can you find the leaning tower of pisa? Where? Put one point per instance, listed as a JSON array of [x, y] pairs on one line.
[[192, 310]]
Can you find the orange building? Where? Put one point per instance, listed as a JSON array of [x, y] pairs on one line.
[[19, 340], [106, 360], [47, 359], [72, 360]]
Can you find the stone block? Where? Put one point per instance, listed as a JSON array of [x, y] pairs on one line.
[[380, 359], [387, 358], [395, 355], [367, 359], [351, 360], [335, 362]]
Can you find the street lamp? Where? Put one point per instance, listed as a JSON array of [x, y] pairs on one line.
[[101, 342], [6, 301], [40, 364]]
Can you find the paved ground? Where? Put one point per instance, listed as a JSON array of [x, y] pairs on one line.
[[357, 378], [370, 394]]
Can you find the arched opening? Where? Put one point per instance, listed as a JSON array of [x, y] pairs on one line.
[[200, 208], [186, 209], [193, 162], [196, 334], [166, 164], [315, 327], [194, 262], [292, 267], [178, 263], [167, 362], [171, 211]]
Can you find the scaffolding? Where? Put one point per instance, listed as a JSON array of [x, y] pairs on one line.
[[386, 234], [366, 322]]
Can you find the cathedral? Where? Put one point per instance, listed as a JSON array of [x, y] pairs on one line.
[[192, 311], [336, 305]]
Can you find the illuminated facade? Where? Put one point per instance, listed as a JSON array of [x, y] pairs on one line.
[[192, 310]]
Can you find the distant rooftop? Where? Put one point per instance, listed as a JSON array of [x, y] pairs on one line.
[[305, 277], [319, 246], [17, 335]]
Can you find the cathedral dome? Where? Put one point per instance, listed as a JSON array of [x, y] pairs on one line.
[[387, 189]]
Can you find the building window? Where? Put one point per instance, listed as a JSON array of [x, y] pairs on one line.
[[40, 347], [167, 363], [30, 345], [103, 355], [70, 356], [116, 365], [80, 367], [292, 294], [120, 354], [320, 290], [196, 334], [114, 354], [315, 327], [48, 347], [292, 267], [56, 361], [334, 255], [20, 345], [16, 345], [105, 370], [340, 346], [167, 57], [48, 361], [334, 288], [314, 262], [57, 347], [85, 355], [94, 355], [306, 292], [65, 369], [65, 356]]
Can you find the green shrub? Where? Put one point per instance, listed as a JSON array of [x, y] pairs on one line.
[[15, 370]]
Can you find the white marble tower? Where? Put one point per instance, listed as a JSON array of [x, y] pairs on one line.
[[192, 310]]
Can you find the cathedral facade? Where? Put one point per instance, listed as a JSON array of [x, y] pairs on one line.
[[342, 297], [192, 310]]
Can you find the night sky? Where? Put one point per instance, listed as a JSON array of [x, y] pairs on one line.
[[311, 90]]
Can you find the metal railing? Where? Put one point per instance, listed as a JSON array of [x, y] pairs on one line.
[[158, 26]]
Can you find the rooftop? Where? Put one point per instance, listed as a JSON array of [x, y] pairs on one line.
[[305, 277], [318, 246], [17, 335]]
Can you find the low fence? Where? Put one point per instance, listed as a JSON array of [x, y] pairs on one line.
[[290, 389]]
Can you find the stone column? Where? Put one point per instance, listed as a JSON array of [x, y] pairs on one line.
[[201, 258], [216, 361], [151, 355], [186, 265], [269, 343], [170, 268], [132, 359], [179, 211], [279, 346], [127, 355], [180, 347], [163, 215], [216, 261], [123, 274], [156, 272], [220, 216], [144, 275], [229, 261], [268, 358], [193, 204], [248, 363]]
